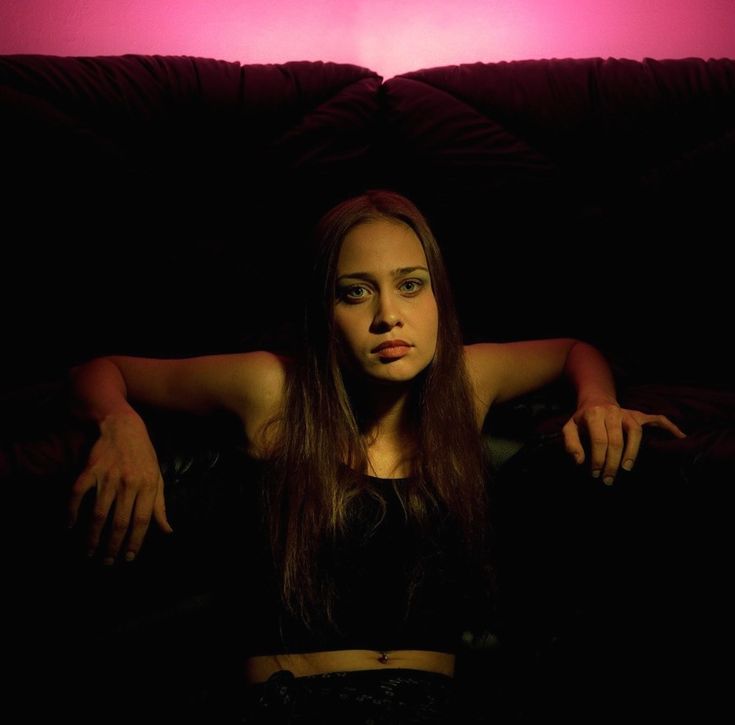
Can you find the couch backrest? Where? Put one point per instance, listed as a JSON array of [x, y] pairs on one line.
[[596, 193], [159, 205]]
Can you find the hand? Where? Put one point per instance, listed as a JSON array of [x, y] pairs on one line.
[[124, 468], [605, 422]]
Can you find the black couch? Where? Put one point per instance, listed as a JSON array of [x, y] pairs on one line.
[[591, 196], [158, 205]]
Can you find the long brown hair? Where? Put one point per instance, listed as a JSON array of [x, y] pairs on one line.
[[308, 498]]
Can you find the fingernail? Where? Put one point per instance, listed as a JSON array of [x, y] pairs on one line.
[[108, 561], [628, 465], [129, 556], [595, 474], [608, 480]]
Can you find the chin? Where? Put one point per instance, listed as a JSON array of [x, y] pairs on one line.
[[395, 371]]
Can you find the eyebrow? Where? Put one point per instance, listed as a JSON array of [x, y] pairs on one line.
[[366, 275]]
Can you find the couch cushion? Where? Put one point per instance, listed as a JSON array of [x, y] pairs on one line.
[[164, 190]]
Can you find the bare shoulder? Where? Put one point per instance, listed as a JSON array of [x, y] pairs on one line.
[[249, 384], [261, 372], [261, 384]]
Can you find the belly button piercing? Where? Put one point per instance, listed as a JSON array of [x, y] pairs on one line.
[[383, 657]]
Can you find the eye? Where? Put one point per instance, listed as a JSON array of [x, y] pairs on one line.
[[416, 282], [348, 293]]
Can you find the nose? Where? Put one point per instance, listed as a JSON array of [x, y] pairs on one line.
[[387, 313]]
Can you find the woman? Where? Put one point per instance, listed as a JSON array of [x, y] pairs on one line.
[[381, 407]]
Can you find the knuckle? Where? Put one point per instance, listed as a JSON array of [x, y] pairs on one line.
[[76, 491], [141, 520], [107, 478], [85, 481], [133, 481], [128, 480], [99, 516], [120, 525]]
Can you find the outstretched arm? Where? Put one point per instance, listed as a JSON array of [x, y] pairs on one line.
[[503, 371], [122, 466]]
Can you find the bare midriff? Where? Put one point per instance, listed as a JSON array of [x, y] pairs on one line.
[[259, 668]]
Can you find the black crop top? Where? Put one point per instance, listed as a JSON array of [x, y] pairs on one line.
[[370, 567]]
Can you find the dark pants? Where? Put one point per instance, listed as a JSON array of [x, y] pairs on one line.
[[361, 697]]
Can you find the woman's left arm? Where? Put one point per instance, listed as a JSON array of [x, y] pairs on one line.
[[614, 433], [503, 371]]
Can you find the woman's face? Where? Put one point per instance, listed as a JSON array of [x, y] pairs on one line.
[[383, 293]]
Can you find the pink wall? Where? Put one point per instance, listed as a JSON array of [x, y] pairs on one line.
[[389, 36]]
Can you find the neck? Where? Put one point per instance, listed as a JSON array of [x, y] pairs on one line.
[[388, 416], [383, 410]]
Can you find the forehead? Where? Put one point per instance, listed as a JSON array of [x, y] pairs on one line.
[[380, 245]]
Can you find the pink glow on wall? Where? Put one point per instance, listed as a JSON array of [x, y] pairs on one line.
[[389, 36]]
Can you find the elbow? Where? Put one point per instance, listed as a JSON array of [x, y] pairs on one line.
[[569, 344]]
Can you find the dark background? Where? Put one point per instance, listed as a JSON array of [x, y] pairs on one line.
[[160, 206]]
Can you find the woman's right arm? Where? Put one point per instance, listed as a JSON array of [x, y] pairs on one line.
[[122, 464]]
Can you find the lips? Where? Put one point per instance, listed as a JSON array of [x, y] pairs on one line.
[[391, 344]]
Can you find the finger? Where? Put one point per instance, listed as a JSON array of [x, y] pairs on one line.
[[102, 505], [598, 440], [141, 521], [159, 510], [661, 421], [572, 442], [632, 445], [120, 523], [86, 480], [614, 427]]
